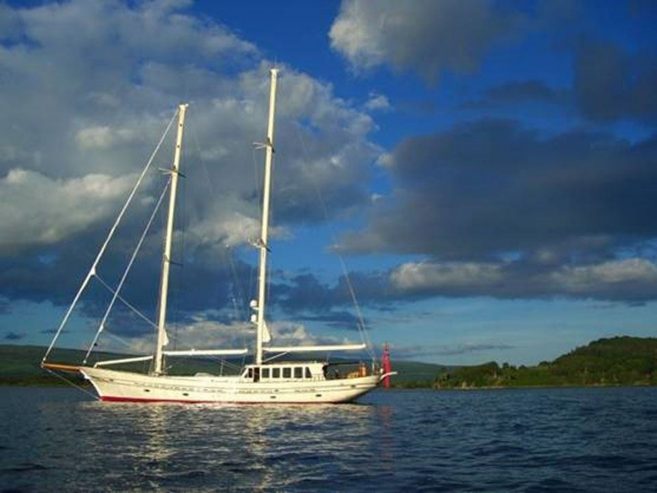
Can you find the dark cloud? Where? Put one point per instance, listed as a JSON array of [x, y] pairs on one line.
[[492, 186], [519, 91], [200, 280], [422, 108], [51, 331], [404, 352], [513, 93], [13, 336], [5, 305], [611, 83], [306, 293], [341, 320]]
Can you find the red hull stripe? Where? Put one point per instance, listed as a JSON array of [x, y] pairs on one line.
[[110, 398]]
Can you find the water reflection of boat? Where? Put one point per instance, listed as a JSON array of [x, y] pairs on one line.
[[264, 380]]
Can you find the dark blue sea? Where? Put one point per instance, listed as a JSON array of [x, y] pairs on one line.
[[503, 440]]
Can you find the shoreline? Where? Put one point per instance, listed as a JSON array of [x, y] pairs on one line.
[[61, 384]]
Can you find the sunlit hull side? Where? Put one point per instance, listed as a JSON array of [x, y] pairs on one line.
[[112, 385]]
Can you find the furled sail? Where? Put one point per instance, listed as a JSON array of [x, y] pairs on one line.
[[266, 334]]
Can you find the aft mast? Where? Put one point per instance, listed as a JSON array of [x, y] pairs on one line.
[[261, 328], [162, 339]]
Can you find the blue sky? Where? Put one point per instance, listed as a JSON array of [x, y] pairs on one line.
[[486, 169]]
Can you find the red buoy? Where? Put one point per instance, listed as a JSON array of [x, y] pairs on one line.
[[387, 366]]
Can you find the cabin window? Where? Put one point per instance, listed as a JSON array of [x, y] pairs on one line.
[[249, 373], [256, 374], [287, 372], [265, 373], [298, 372], [308, 374], [276, 373]]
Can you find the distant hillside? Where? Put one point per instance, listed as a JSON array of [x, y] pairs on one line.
[[615, 361], [19, 365], [415, 375]]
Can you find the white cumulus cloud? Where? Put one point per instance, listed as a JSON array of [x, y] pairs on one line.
[[377, 102], [95, 104], [57, 207], [582, 279], [426, 36], [422, 276]]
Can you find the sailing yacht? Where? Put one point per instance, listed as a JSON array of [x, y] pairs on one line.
[[265, 380]]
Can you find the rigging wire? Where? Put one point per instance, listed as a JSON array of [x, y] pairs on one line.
[[228, 254], [179, 282], [257, 180], [237, 282], [127, 270], [92, 270], [362, 329], [268, 274], [239, 311], [125, 302], [258, 172], [70, 382], [118, 339]]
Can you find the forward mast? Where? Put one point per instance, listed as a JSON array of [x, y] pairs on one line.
[[162, 339]]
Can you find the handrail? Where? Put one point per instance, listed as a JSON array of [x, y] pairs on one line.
[[303, 349], [123, 360], [207, 352]]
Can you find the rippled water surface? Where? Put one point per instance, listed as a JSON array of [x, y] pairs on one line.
[[511, 440]]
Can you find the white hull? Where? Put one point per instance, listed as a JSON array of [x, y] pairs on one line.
[[112, 385]]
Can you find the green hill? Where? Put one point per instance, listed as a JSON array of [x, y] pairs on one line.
[[615, 361]]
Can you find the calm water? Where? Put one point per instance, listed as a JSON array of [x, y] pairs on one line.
[[515, 440]]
